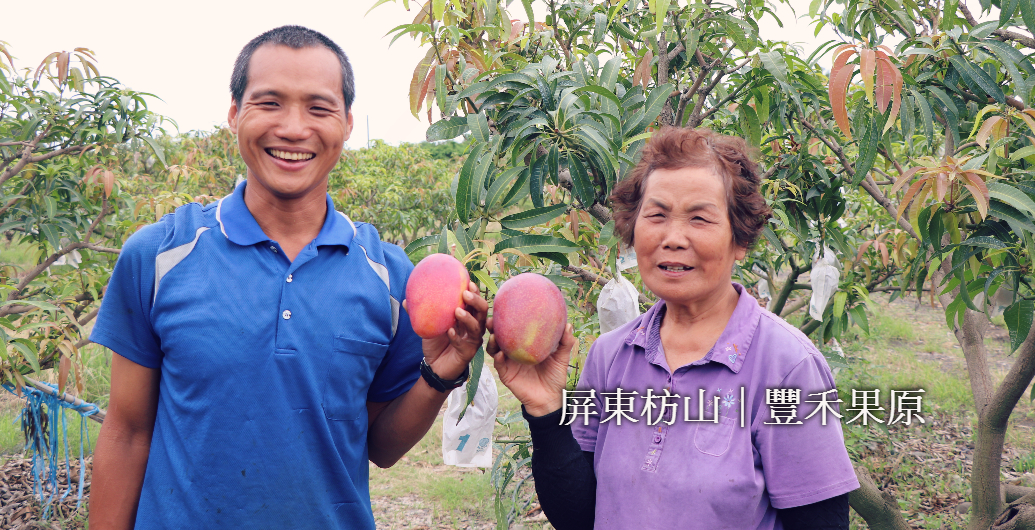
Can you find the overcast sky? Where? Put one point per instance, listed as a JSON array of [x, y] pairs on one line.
[[183, 51]]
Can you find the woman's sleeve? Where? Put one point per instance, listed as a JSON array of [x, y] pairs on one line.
[[829, 514], [563, 472], [805, 462]]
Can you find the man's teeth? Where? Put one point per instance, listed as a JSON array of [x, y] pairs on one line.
[[286, 155], [675, 268]]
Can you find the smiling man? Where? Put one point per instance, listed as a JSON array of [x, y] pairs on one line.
[[263, 356]]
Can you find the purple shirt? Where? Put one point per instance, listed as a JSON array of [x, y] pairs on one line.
[[708, 474]]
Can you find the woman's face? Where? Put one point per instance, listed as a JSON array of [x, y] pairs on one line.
[[682, 237]]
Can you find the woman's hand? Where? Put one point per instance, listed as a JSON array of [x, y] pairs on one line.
[[538, 387]]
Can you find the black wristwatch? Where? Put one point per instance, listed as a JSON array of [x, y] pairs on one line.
[[442, 385]]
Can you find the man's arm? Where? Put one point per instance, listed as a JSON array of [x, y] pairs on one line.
[[123, 445], [395, 426]]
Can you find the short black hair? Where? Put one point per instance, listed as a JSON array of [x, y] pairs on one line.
[[296, 37]]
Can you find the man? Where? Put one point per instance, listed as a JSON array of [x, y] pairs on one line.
[[261, 354]]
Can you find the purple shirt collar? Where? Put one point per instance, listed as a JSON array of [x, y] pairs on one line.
[[729, 350]]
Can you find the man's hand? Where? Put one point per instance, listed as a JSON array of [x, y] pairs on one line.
[[450, 353]]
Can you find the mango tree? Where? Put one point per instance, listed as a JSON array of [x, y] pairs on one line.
[[63, 131], [921, 129]]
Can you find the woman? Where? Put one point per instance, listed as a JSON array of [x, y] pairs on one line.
[[706, 351]]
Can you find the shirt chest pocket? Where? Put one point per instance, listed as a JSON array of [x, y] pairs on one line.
[[714, 438], [348, 375]]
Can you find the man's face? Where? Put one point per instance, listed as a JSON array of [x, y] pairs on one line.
[[292, 122]]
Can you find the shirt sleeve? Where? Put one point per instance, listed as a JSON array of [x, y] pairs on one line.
[[400, 367], [123, 323], [806, 463], [587, 399]]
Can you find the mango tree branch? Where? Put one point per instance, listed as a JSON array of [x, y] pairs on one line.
[[1001, 33], [878, 508], [31, 275], [587, 276], [867, 184]]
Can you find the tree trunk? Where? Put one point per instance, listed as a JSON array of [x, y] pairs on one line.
[[1019, 515], [878, 508]]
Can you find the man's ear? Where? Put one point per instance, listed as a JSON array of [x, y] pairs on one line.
[[231, 116], [348, 124]]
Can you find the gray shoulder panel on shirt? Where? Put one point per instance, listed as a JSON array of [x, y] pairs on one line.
[[165, 261]]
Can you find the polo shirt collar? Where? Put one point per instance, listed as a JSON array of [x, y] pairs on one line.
[[732, 345], [239, 226]]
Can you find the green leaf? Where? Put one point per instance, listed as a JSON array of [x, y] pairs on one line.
[[984, 241], [461, 237], [1018, 320], [774, 63], [438, 9], [535, 243], [532, 217], [500, 185], [977, 76], [422, 242], [477, 364], [443, 241], [750, 126], [868, 149], [447, 128], [529, 12], [486, 280], [1010, 215], [584, 189], [1012, 196], [601, 91], [609, 75], [158, 150], [28, 351], [440, 88], [1028, 14], [599, 26], [651, 110], [859, 317], [536, 179], [464, 185], [840, 298], [479, 126]]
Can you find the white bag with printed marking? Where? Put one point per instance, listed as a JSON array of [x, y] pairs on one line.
[[469, 443]]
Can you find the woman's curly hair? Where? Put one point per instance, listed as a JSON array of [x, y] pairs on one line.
[[677, 148]]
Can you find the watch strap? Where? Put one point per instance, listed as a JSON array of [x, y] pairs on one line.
[[442, 385]]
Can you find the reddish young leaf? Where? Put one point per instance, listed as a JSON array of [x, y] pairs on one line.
[[642, 73], [867, 64], [838, 99], [63, 365], [941, 186], [109, 182], [885, 84], [979, 190], [908, 197], [418, 84], [862, 250], [883, 253], [896, 97], [986, 130], [516, 27], [62, 66]]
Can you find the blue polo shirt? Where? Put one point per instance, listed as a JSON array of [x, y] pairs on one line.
[[266, 365]]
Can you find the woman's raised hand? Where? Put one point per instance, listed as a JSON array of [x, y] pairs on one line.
[[538, 387]]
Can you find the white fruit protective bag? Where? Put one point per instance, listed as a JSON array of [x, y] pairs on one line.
[[617, 304], [825, 278], [469, 443]]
